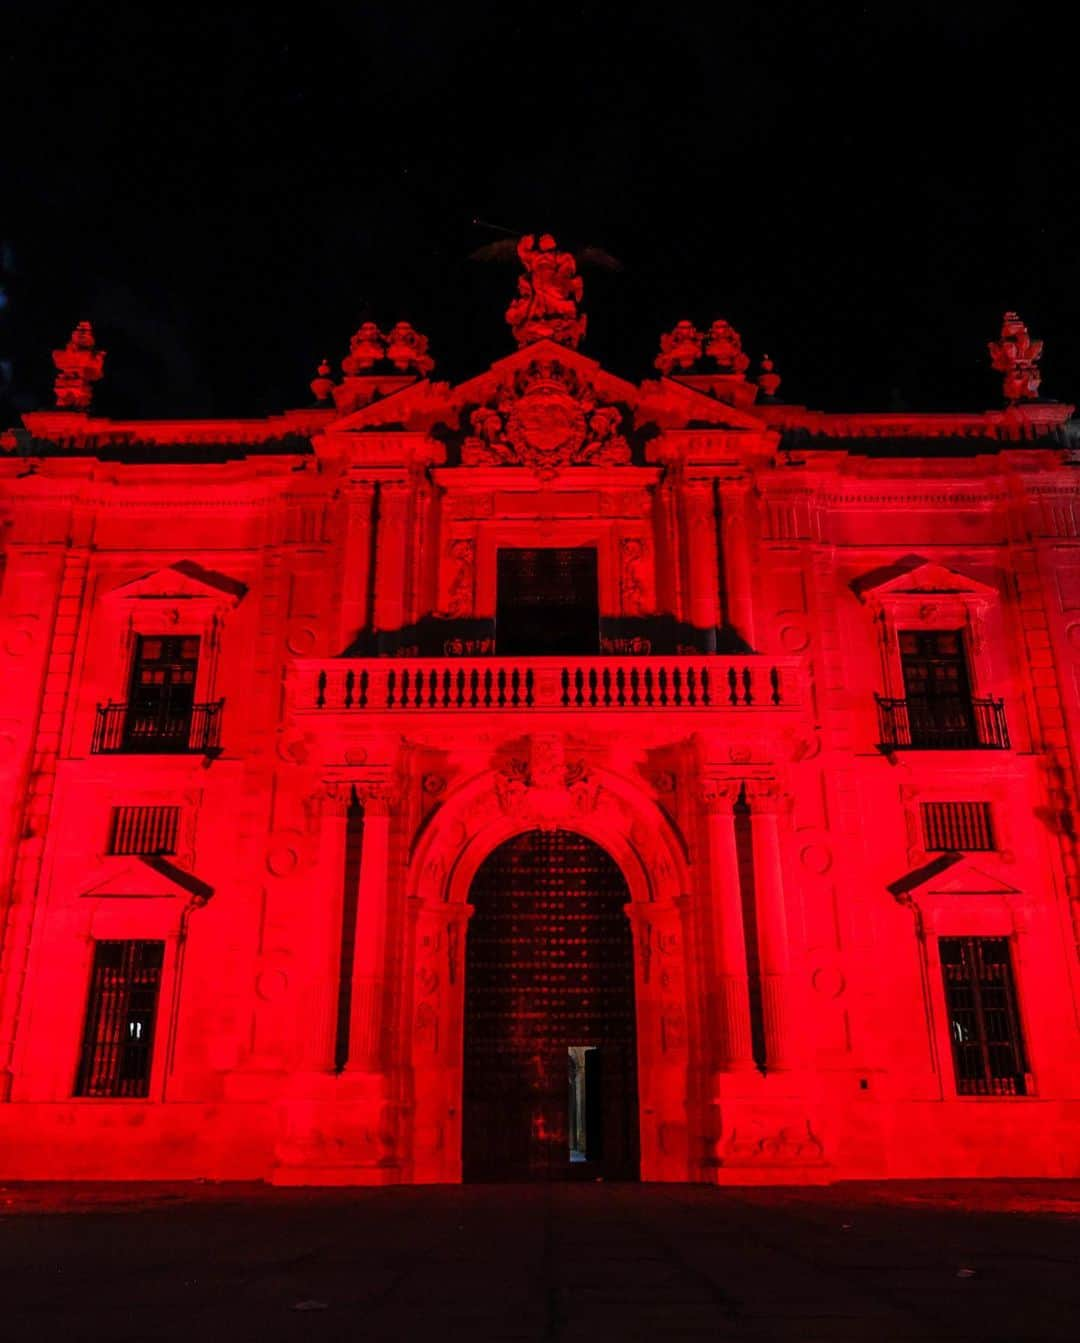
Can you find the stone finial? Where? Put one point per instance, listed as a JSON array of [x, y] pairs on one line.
[[322, 385], [680, 348], [1016, 356], [548, 295], [366, 349], [79, 365], [768, 378], [406, 349], [724, 345]]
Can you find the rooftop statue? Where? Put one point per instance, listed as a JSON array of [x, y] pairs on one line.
[[79, 365], [680, 348], [1017, 356], [548, 295]]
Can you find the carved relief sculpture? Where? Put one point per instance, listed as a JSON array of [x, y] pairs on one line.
[[546, 417]]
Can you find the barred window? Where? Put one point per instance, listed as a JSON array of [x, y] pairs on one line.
[[957, 826], [984, 1024], [144, 829], [120, 1011]]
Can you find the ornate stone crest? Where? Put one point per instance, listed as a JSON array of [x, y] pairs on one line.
[[546, 418]]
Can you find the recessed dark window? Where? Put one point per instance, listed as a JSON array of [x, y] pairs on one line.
[[144, 829], [984, 1024], [162, 691], [120, 1012], [547, 602], [937, 687], [957, 826]]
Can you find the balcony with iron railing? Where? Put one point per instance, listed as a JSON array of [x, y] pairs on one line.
[[945, 723], [571, 683], [129, 729]]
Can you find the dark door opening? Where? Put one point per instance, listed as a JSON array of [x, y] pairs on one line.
[[937, 688], [547, 602], [550, 1075]]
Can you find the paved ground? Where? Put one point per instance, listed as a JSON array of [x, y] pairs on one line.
[[944, 1261]]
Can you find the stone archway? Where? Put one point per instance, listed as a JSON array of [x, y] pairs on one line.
[[550, 1056], [474, 820]]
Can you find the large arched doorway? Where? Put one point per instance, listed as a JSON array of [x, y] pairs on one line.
[[550, 1067]]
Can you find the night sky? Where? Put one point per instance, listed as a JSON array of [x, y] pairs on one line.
[[226, 193]]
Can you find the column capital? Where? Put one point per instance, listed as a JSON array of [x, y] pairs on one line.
[[718, 795], [379, 797], [766, 797]]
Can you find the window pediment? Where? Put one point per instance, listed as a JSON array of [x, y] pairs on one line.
[[918, 578], [150, 878], [185, 581]]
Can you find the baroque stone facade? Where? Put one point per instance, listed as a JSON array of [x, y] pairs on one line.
[[263, 723]]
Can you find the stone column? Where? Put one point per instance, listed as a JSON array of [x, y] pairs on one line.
[[393, 541], [766, 803], [731, 1014], [367, 1052], [703, 572], [736, 542], [353, 614], [324, 915]]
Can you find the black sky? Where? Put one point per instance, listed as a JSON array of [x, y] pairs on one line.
[[226, 190]]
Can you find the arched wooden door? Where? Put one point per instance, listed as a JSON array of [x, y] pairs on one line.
[[550, 1075]]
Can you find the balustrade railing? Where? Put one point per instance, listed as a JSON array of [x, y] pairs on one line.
[[132, 729], [945, 723], [686, 682]]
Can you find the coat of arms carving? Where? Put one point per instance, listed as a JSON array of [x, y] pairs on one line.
[[546, 418]]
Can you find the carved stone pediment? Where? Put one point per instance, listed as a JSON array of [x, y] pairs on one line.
[[546, 416], [914, 576], [185, 581]]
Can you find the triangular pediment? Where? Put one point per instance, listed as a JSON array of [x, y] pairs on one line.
[[967, 879], [183, 581], [916, 576], [950, 874], [150, 878]]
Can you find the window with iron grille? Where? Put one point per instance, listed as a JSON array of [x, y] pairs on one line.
[[144, 829], [120, 1011], [984, 1024], [957, 826]]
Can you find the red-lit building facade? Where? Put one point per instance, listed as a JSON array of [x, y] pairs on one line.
[[541, 776]]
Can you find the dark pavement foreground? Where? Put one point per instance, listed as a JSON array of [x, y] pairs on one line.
[[941, 1261]]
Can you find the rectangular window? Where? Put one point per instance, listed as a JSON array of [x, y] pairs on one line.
[[162, 693], [984, 1024], [937, 688], [957, 826], [120, 1011], [547, 602], [144, 829]]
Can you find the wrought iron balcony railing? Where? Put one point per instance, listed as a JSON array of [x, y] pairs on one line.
[[129, 729], [944, 724], [570, 683]]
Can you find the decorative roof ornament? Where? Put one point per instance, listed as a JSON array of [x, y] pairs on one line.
[[724, 345], [322, 385], [1017, 356], [546, 418], [366, 349], [768, 378], [80, 364], [548, 295], [406, 349], [680, 348]]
